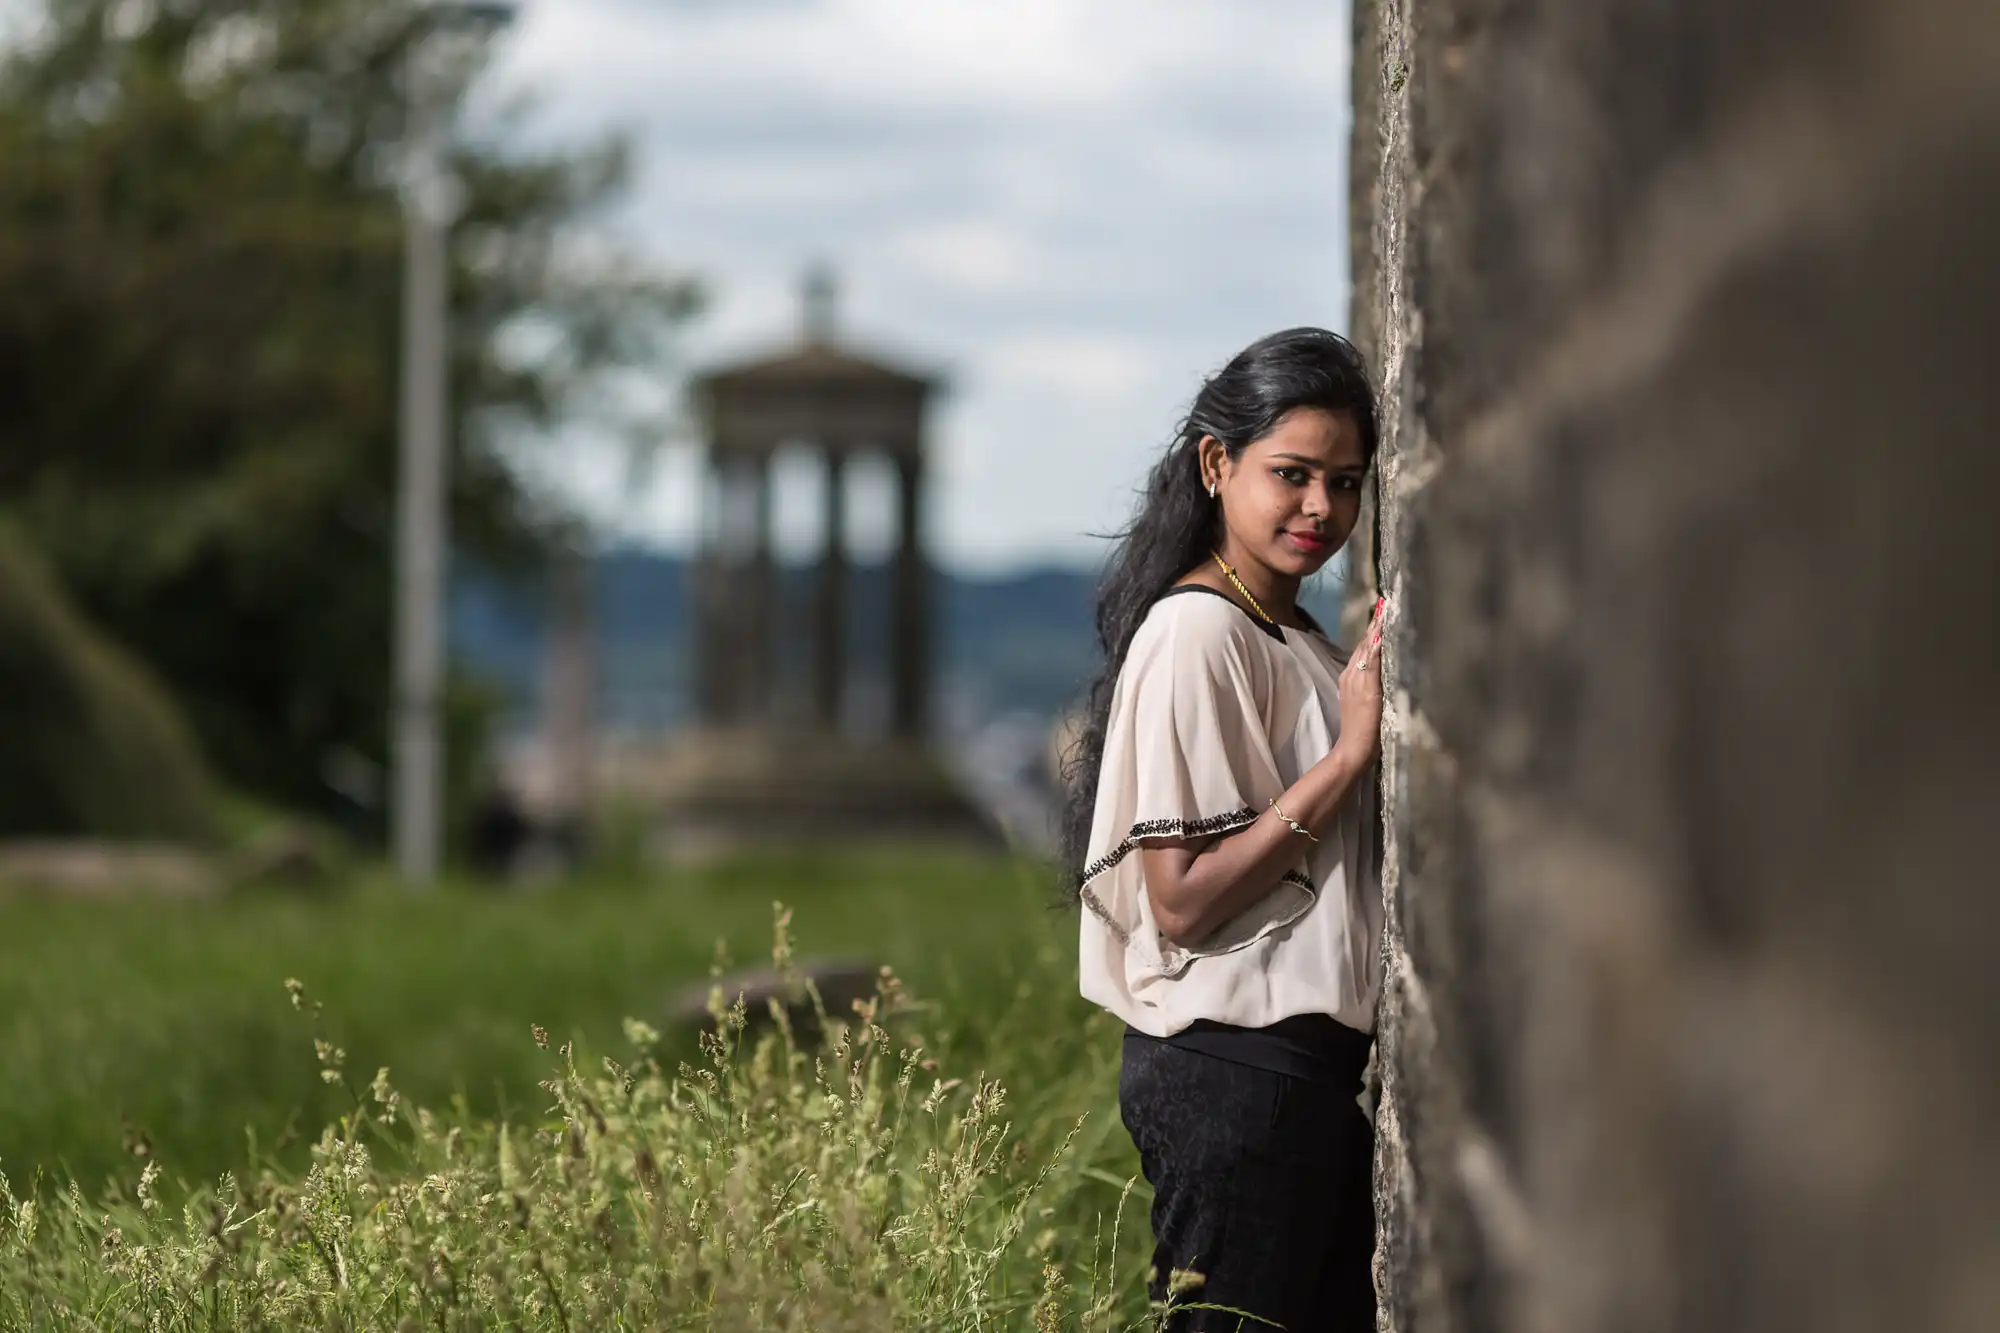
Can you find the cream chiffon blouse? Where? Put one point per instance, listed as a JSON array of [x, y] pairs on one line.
[[1214, 713]]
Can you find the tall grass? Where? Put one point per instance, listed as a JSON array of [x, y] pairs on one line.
[[918, 1164], [847, 1183]]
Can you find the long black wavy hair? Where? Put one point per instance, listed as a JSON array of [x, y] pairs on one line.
[[1178, 525]]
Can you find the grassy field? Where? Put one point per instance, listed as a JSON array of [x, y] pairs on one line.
[[167, 1023], [824, 1190]]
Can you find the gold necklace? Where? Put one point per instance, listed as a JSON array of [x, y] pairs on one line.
[[1262, 614]]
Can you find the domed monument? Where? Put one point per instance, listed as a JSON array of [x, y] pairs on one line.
[[750, 774]]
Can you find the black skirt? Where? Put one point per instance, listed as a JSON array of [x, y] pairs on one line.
[[1262, 1180]]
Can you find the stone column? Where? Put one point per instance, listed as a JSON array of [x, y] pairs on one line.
[[569, 679], [731, 591], [760, 600], [830, 643], [909, 668], [706, 574]]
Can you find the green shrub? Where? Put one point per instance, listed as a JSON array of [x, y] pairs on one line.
[[93, 744]]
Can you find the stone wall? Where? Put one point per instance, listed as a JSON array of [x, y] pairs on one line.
[[1687, 319]]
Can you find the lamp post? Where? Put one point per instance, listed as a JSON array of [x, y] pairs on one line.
[[430, 205]]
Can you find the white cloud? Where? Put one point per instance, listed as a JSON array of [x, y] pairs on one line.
[[777, 182], [1074, 365], [1050, 58], [985, 257]]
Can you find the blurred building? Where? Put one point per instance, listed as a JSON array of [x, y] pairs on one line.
[[749, 772]]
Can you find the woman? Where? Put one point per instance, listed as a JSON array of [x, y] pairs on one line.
[[1222, 832]]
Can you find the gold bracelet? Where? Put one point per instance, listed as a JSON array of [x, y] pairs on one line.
[[1297, 827]]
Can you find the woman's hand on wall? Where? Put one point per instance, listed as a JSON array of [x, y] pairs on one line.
[[1361, 696]]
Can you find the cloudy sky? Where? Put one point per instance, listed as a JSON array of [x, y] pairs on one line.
[[1074, 207]]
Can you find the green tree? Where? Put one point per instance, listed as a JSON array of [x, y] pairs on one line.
[[200, 277]]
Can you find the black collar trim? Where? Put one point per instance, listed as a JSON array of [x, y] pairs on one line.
[[1306, 621]]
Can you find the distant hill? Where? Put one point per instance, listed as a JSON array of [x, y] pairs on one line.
[[1019, 643]]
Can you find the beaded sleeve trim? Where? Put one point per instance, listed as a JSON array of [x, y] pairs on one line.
[[1168, 828], [1206, 826]]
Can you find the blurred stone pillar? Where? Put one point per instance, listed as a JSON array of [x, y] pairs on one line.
[[569, 684], [731, 590], [909, 688], [760, 595], [704, 582], [830, 642]]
